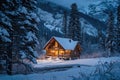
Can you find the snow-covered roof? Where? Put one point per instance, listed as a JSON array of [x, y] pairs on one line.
[[66, 43]]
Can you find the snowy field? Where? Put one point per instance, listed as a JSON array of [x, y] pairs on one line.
[[91, 62], [81, 69]]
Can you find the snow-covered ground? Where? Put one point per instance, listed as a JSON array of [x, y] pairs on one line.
[[88, 68], [89, 62]]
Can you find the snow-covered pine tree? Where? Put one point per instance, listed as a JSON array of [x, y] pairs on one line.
[[24, 28], [5, 41], [65, 23], [28, 21], [109, 42], [101, 40], [118, 28], [74, 29]]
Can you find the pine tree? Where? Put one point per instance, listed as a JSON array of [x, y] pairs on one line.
[[5, 34], [24, 29], [110, 35], [101, 40], [74, 29], [118, 28], [65, 23]]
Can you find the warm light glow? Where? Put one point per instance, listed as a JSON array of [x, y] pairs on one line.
[[57, 52], [68, 51], [56, 44], [52, 51], [61, 51]]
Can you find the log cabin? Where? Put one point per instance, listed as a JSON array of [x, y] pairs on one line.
[[63, 48]]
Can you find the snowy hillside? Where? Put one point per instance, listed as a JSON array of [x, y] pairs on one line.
[[54, 22], [92, 12], [94, 8], [100, 9], [82, 4], [88, 28]]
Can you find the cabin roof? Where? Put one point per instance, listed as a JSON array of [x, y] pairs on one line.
[[66, 43]]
